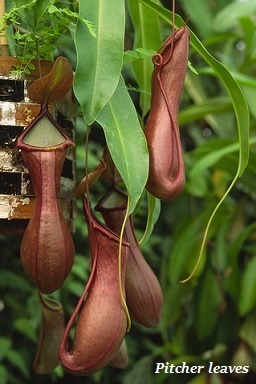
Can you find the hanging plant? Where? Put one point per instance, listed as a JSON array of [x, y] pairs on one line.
[[102, 318], [121, 282], [52, 329], [166, 166], [47, 250], [143, 292]]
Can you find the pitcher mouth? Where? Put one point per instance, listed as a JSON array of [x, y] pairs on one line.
[[43, 134], [115, 199]]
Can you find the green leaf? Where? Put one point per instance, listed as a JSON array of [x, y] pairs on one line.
[[99, 59], [200, 14], [17, 360], [233, 252], [141, 372], [126, 142], [248, 25], [229, 16], [200, 379], [76, 288], [198, 111], [214, 150], [80, 268], [4, 376], [31, 11], [66, 12], [228, 164], [198, 94], [247, 297], [207, 299], [5, 346], [148, 37], [250, 94], [185, 249], [241, 78], [23, 326], [221, 154], [248, 330], [154, 209], [137, 54], [11, 280], [175, 299], [52, 9]]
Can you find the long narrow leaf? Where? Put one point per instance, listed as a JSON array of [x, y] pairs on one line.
[[147, 36], [232, 13], [211, 157], [126, 142], [154, 209], [99, 59], [198, 111]]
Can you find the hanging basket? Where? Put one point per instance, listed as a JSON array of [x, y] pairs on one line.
[[16, 112]]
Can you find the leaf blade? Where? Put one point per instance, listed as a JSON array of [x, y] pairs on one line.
[[154, 209], [126, 141], [247, 296], [148, 37], [101, 56]]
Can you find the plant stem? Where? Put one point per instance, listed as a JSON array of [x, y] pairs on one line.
[[38, 59], [3, 39]]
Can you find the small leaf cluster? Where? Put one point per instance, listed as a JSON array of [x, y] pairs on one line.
[[34, 28]]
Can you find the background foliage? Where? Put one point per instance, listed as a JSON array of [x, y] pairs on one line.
[[212, 317]]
